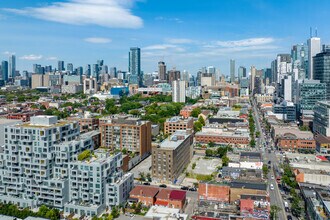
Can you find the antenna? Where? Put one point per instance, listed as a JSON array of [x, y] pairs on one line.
[[315, 32], [311, 32]]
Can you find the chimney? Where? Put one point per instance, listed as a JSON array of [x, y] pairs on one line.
[[141, 192]]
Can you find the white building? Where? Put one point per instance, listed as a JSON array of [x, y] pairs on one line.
[[179, 91], [314, 47], [90, 86]]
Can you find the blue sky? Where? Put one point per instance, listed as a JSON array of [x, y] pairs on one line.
[[185, 34]]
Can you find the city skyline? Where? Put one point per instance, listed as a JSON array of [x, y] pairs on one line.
[[167, 31]]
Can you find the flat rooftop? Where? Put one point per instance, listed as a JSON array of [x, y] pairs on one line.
[[175, 140]]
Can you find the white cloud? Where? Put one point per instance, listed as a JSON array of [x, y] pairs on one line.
[[31, 57], [51, 58], [164, 47], [8, 53], [161, 18], [98, 40], [180, 41], [106, 13], [246, 42]]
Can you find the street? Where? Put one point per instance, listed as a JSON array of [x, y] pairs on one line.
[[275, 196]]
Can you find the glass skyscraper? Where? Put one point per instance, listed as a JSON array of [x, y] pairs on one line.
[[134, 66], [322, 69], [4, 70]]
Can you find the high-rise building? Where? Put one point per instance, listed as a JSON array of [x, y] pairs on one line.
[[79, 71], [284, 66], [267, 76], [88, 70], [314, 47], [113, 72], [299, 55], [321, 122], [309, 92], [232, 71], [60, 65], [241, 73], [95, 71], [252, 79], [48, 69], [211, 70], [179, 91], [185, 76], [126, 132], [162, 71], [173, 75], [321, 69], [69, 67], [4, 70], [286, 86], [12, 66], [134, 66]]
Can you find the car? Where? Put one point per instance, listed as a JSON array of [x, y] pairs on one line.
[[269, 162], [271, 187], [146, 183], [287, 209], [272, 177], [184, 188], [162, 186], [289, 217], [192, 189]]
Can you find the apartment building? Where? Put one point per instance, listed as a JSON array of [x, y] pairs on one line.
[[170, 157], [96, 183], [38, 166], [126, 132], [178, 123]]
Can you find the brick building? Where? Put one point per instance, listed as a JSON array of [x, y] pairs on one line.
[[178, 123], [144, 194], [213, 192]]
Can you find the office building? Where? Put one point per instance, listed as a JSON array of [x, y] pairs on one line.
[[232, 71], [95, 71], [309, 92], [4, 70], [299, 55], [126, 132], [90, 86], [79, 71], [252, 79], [267, 76], [241, 73], [244, 87], [179, 91], [286, 86], [134, 66], [170, 157], [211, 70], [88, 70], [162, 71], [48, 69], [314, 47], [69, 67], [37, 81], [287, 110], [60, 66], [185, 76], [173, 75], [113, 72], [178, 123], [12, 66], [283, 66], [321, 69], [321, 122]]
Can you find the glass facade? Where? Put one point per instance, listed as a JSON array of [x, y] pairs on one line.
[[322, 69]]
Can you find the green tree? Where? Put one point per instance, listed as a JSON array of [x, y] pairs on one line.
[[209, 152], [198, 126], [115, 212], [201, 120], [225, 160], [195, 112], [211, 144], [265, 169], [193, 166], [274, 209]]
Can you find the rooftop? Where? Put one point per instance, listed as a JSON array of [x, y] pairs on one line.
[[248, 185], [175, 140]]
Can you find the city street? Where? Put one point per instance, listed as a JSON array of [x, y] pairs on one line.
[[275, 196]]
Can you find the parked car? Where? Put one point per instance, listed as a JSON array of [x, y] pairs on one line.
[[271, 186], [162, 186], [192, 189], [185, 188], [146, 183], [289, 217]]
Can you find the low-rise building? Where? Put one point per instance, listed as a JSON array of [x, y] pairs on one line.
[[213, 192], [170, 157], [178, 123], [144, 194], [239, 188]]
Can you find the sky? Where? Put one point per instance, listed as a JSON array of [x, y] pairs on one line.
[[187, 35]]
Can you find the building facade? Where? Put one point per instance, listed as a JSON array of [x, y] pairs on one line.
[[321, 122], [179, 91], [176, 123]]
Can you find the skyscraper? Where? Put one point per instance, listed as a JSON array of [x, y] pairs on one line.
[[299, 55], [12, 66], [314, 47], [241, 73], [113, 72], [134, 66], [88, 70], [60, 65], [179, 91], [162, 70], [69, 67], [252, 79], [4, 70], [232, 71], [321, 68]]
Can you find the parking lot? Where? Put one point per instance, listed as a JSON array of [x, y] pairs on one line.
[[204, 166], [143, 167]]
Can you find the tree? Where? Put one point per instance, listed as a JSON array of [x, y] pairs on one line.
[[115, 212], [198, 126], [274, 209], [193, 166], [201, 120], [258, 134], [209, 152], [195, 112], [211, 144], [265, 169], [225, 160], [253, 142]]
